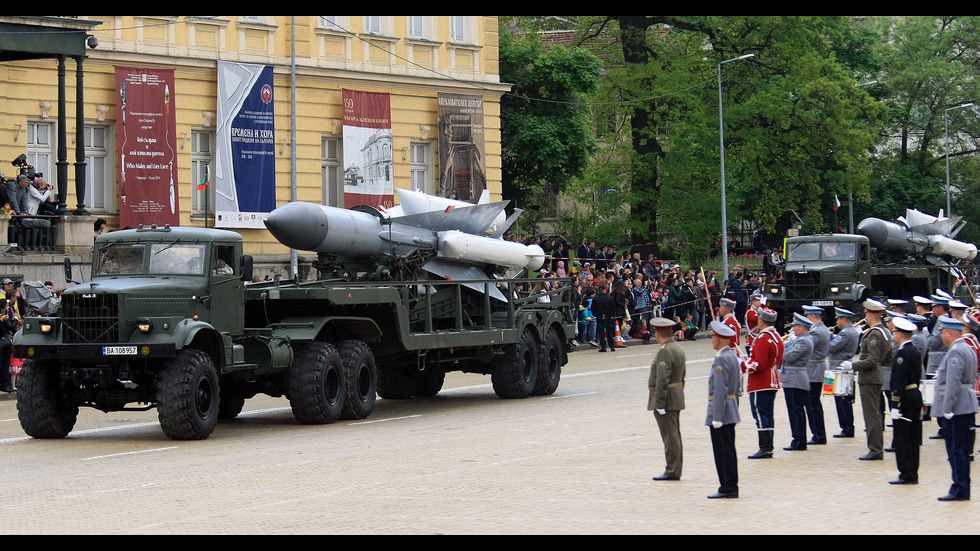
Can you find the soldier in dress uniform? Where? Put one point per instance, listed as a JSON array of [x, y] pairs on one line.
[[723, 389], [940, 308], [886, 370], [816, 368], [956, 401], [726, 313], [921, 336], [970, 328], [923, 307], [796, 382], [752, 321], [666, 384], [906, 408], [843, 347], [763, 365], [874, 351]]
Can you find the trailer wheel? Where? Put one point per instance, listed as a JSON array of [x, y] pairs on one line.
[[44, 408], [549, 363], [361, 376], [187, 396], [316, 384], [395, 382], [229, 407], [429, 381], [515, 373]]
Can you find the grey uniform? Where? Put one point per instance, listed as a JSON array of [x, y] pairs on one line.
[[723, 388], [843, 346], [920, 339], [936, 350], [954, 391], [817, 364], [795, 362]]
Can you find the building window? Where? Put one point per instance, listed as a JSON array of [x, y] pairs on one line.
[[416, 26], [40, 148], [202, 158], [372, 24], [457, 28], [420, 158], [331, 166], [100, 189]]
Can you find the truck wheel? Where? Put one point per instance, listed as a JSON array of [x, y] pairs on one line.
[[549, 364], [187, 396], [361, 376], [229, 407], [395, 382], [515, 373], [316, 384], [42, 405], [428, 382]]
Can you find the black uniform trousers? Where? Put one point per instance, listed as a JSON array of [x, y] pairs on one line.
[[726, 462], [607, 332], [907, 437]]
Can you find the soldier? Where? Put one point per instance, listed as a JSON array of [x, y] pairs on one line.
[[875, 350], [956, 401], [842, 348], [796, 382], [920, 338], [816, 369], [940, 308], [604, 309], [752, 321], [886, 369], [906, 409], [723, 389], [970, 328], [763, 374], [726, 313], [666, 384]]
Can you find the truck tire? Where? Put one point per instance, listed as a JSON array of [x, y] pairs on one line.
[[428, 382], [187, 396], [42, 406], [229, 407], [549, 364], [515, 373], [316, 384], [361, 377], [395, 382]]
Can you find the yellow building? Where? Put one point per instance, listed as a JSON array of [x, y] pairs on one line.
[[413, 59]]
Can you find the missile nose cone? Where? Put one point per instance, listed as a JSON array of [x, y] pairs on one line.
[[298, 225]]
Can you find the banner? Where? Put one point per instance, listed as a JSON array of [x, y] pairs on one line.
[[368, 167], [147, 145], [244, 176], [461, 147]]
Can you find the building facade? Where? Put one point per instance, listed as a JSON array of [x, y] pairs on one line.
[[413, 60]]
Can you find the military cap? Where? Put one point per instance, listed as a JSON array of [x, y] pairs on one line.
[[662, 322], [768, 315], [918, 299], [940, 300], [892, 314], [843, 312], [727, 303], [903, 324], [800, 319], [810, 309], [873, 306], [972, 321], [917, 319], [755, 297], [957, 305], [720, 329], [897, 301], [949, 322]]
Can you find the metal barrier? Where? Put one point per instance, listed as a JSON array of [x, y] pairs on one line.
[[33, 232]]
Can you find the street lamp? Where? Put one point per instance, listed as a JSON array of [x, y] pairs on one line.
[[949, 210], [724, 205]]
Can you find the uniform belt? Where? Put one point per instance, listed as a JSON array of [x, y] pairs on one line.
[[966, 385], [910, 387], [794, 367], [731, 397], [669, 385]]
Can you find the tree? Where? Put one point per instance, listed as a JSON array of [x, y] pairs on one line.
[[544, 133]]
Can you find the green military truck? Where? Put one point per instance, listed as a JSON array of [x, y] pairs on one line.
[[171, 320], [912, 256]]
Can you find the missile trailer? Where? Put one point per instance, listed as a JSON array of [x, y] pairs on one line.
[[915, 255], [171, 320]]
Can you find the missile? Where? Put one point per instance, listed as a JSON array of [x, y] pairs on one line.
[[893, 236], [457, 234]]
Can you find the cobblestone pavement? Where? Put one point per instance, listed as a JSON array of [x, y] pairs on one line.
[[465, 462]]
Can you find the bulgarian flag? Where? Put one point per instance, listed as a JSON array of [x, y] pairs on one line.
[[836, 202], [207, 180]]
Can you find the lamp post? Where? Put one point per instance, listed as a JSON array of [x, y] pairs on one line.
[[949, 210], [724, 204], [850, 192]]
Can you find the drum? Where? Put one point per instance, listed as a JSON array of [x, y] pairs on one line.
[[829, 381], [845, 384], [927, 388]]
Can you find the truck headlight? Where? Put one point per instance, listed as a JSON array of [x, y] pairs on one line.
[[834, 289], [45, 325], [144, 325]]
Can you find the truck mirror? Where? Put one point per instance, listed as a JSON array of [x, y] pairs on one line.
[[68, 277], [246, 268]]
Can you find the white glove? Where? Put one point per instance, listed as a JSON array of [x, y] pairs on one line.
[[662, 411], [847, 365], [948, 415], [716, 424], [896, 414], [753, 366]]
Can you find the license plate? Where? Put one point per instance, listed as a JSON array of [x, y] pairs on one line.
[[118, 350], [823, 303]]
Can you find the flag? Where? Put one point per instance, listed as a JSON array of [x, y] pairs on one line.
[[836, 203], [207, 179]]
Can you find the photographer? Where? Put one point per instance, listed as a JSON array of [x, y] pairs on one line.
[[37, 193]]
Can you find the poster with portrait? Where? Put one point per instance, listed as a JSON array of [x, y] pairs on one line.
[[368, 164], [245, 153], [463, 174], [147, 144]]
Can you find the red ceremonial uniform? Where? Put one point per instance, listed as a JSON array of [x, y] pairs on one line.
[[752, 325], [971, 339], [767, 352], [737, 339]]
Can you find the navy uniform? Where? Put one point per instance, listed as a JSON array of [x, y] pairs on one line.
[[816, 369], [956, 400], [874, 351], [843, 347], [666, 385], [796, 382], [906, 410], [724, 385]]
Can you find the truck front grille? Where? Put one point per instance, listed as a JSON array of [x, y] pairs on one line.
[[90, 318], [802, 286]]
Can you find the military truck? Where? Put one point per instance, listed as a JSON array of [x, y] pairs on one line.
[[914, 255], [170, 320]]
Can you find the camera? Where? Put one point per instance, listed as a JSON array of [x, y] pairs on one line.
[[26, 169]]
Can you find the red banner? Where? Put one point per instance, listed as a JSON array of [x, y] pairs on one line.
[[368, 163], [147, 143]]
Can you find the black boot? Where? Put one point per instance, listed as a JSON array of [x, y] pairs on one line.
[[765, 445]]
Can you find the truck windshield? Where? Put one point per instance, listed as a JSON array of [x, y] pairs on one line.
[[830, 250], [118, 258], [176, 258]]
